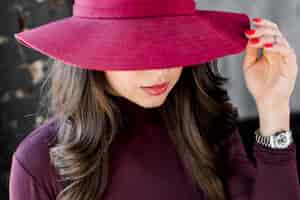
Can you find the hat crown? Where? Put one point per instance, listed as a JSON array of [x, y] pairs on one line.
[[131, 8]]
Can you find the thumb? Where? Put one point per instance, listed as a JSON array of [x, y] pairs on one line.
[[251, 54]]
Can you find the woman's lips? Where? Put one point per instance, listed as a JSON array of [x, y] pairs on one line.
[[156, 89]]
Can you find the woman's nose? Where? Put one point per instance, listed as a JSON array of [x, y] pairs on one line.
[[159, 72]]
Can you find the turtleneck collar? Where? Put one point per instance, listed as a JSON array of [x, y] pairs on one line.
[[135, 113]]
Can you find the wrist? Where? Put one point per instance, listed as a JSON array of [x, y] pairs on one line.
[[273, 119]]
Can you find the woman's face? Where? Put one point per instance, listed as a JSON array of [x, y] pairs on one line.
[[130, 84]]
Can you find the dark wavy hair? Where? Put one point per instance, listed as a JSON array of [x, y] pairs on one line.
[[88, 120]]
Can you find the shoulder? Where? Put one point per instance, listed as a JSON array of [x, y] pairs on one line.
[[32, 153], [36, 144]]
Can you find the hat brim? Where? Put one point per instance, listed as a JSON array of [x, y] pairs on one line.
[[140, 43]]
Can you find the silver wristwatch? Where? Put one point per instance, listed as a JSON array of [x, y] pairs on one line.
[[279, 140]]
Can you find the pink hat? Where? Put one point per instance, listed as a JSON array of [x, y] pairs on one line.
[[138, 34]]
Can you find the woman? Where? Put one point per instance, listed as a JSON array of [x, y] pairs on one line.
[[155, 124]]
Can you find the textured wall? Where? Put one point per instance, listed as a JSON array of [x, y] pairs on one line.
[[21, 73]]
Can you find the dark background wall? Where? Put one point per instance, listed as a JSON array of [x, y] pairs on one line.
[[21, 73], [22, 69]]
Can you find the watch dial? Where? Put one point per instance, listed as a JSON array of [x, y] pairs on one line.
[[281, 140]]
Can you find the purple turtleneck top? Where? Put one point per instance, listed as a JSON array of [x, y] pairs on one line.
[[144, 165]]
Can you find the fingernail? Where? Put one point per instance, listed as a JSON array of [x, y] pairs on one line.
[[254, 40], [256, 19], [268, 45], [250, 32]]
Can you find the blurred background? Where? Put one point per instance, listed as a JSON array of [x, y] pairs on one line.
[[22, 69]]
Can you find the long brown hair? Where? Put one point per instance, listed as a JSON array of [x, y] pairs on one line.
[[89, 119]]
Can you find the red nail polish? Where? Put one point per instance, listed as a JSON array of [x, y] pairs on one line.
[[268, 45], [256, 19], [250, 32], [254, 40]]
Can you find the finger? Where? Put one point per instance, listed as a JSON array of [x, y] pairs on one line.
[[260, 31], [267, 39], [251, 54], [284, 41], [264, 22], [267, 43], [288, 57], [282, 50]]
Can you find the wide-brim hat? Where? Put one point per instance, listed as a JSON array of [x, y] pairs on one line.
[[138, 34]]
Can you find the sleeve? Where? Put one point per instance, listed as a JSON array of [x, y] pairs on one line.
[[22, 185], [272, 174]]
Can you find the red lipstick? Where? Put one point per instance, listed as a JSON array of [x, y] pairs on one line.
[[156, 89]]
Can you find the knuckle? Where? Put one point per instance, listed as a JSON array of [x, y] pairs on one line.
[[293, 53], [292, 50]]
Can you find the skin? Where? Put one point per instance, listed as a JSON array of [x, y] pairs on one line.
[[128, 84], [270, 78]]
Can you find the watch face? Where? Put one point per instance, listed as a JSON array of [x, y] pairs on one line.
[[281, 140]]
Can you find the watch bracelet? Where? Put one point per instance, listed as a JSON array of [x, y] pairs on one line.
[[265, 140]]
